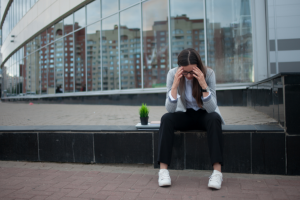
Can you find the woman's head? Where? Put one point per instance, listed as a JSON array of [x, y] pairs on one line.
[[189, 58]]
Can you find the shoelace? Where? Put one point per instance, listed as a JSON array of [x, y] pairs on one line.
[[164, 175], [216, 177]]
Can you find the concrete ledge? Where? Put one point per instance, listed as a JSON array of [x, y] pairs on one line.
[[247, 149]]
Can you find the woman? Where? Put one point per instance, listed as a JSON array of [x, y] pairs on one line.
[[192, 105]]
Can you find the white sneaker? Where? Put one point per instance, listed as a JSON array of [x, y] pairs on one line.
[[164, 178], [215, 180]]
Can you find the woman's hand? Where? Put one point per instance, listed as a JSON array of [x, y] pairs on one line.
[[177, 77], [176, 82], [200, 77]]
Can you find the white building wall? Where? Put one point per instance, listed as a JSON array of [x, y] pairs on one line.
[[284, 35], [43, 13]]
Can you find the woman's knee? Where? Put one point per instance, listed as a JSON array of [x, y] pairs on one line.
[[166, 117], [214, 117]]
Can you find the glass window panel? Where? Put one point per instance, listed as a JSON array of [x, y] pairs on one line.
[[59, 30], [32, 3], [24, 6], [14, 79], [109, 7], [43, 38], [229, 40], [31, 73], [50, 34], [43, 55], [27, 5], [93, 57], [130, 48], [79, 17], [36, 42], [126, 3], [68, 64], [68, 24], [80, 83], [110, 56], [93, 11], [155, 43], [50, 60], [187, 27], [59, 65]]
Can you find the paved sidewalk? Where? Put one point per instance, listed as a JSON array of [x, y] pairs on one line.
[[29, 180], [14, 114]]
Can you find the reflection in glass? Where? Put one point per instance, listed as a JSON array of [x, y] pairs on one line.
[[59, 68], [130, 48], [109, 7], [79, 18], [93, 57], [80, 83], [43, 70], [32, 68], [127, 3], [155, 43], [69, 63], [187, 27], [110, 52], [93, 12], [43, 38], [58, 29], [68, 24], [50, 34], [229, 40], [50, 60]]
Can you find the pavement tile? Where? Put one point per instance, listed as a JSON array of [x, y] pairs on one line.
[[39, 197], [93, 196], [89, 184], [75, 193]]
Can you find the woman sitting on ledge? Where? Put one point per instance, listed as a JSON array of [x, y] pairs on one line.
[[192, 105]]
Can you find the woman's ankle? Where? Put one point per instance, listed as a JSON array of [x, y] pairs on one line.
[[163, 166]]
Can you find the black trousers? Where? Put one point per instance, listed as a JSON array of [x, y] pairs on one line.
[[190, 120]]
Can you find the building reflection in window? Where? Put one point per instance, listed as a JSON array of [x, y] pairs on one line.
[[155, 43], [50, 60], [43, 70], [110, 56], [59, 29], [68, 24], [187, 27], [130, 48], [229, 40], [68, 64], [79, 68], [59, 68], [93, 57], [79, 18]]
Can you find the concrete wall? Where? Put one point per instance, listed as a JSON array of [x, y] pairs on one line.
[[43, 13]]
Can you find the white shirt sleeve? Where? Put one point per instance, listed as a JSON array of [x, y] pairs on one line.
[[172, 99], [203, 98]]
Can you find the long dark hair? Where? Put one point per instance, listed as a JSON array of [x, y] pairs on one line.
[[190, 57]]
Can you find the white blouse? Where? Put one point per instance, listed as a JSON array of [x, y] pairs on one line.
[[190, 100]]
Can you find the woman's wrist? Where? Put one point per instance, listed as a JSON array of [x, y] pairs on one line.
[[203, 86]]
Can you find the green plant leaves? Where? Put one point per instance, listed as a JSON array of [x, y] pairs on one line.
[[144, 111]]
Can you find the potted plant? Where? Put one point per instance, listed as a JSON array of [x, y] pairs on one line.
[[144, 111]]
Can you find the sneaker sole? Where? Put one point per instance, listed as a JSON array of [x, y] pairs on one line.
[[214, 187], [164, 184]]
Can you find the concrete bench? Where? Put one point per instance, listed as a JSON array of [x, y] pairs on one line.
[[259, 149]]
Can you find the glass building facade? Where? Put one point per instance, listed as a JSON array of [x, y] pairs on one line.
[[109, 45]]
